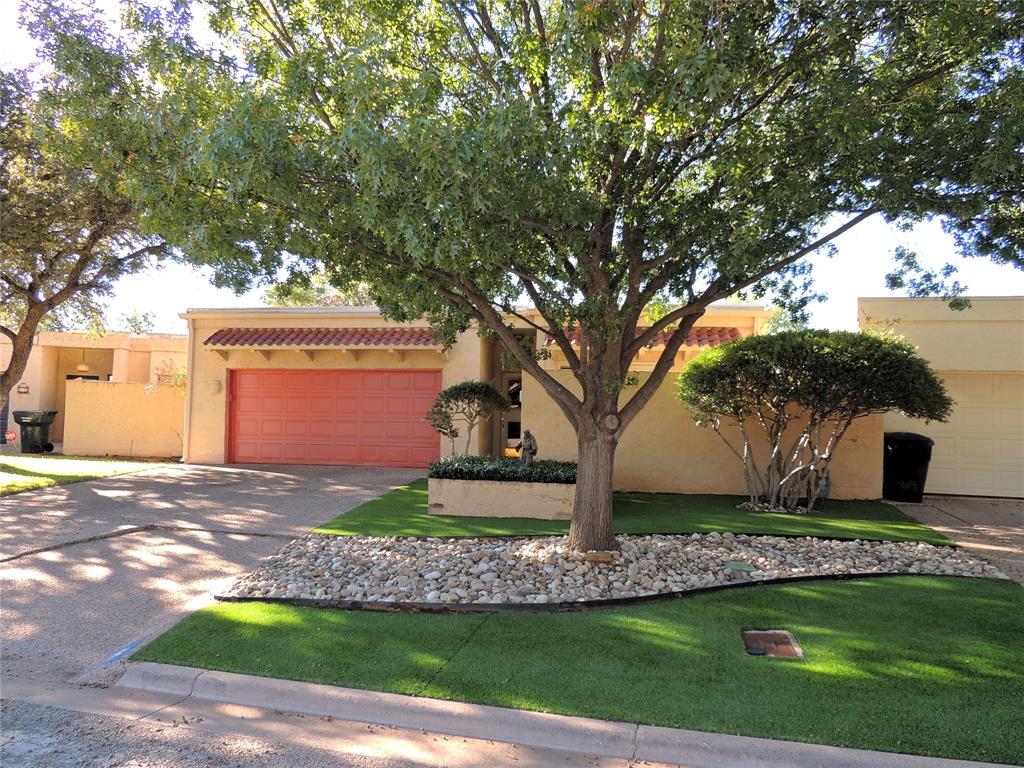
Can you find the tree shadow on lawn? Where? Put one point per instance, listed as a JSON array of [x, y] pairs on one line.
[[404, 512], [71, 469], [927, 665]]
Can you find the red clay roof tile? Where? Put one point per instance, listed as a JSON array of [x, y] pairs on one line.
[[323, 337], [701, 336]]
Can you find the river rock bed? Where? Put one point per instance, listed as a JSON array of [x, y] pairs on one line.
[[540, 570]]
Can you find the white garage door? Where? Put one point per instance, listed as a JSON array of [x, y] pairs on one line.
[[980, 450]]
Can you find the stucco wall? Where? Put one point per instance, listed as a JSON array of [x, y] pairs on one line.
[[979, 354], [123, 419], [663, 450], [121, 356], [988, 336], [487, 498], [207, 421]]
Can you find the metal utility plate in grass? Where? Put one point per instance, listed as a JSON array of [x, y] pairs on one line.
[[774, 643]]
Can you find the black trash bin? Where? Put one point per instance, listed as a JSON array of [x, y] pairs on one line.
[[905, 468], [35, 430]]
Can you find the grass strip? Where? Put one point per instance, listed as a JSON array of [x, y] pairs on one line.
[[404, 512], [917, 664]]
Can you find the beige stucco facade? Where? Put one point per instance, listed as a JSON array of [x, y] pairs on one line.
[[59, 358], [124, 419], [663, 450], [979, 353], [207, 391], [485, 498]]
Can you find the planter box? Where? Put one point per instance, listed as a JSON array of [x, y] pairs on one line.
[[490, 498]]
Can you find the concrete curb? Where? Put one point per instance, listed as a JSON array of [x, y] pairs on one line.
[[534, 729]]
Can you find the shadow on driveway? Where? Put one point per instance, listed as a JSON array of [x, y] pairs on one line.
[[67, 609]]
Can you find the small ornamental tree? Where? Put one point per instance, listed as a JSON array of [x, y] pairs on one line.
[[800, 391], [468, 402]]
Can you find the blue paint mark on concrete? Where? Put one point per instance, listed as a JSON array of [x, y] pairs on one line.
[[127, 650]]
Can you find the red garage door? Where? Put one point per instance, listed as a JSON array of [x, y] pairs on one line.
[[373, 418]]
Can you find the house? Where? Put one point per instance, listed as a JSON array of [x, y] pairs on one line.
[[979, 354], [98, 387], [343, 385]]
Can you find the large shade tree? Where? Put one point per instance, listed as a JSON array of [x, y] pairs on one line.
[[591, 156], [66, 235]]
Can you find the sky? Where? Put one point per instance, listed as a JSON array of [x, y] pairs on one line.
[[858, 269]]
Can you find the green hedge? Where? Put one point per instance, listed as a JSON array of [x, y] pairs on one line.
[[508, 470]]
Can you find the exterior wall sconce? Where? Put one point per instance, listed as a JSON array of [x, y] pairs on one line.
[[215, 386], [22, 389]]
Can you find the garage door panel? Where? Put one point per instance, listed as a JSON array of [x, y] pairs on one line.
[[248, 403], [321, 430], [980, 450], [421, 431], [247, 428], [1012, 417], [400, 430], [399, 382], [1013, 451], [333, 417], [976, 448], [270, 428], [320, 403], [299, 428]]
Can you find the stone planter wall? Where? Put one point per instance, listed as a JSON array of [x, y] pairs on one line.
[[487, 498]]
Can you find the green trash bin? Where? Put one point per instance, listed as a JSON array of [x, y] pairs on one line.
[[35, 430]]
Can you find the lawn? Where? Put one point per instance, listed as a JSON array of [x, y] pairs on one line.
[[403, 512], [23, 472], [924, 665]]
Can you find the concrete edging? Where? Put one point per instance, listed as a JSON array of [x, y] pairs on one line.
[[568, 606], [534, 729]]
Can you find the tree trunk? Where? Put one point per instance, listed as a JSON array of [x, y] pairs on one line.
[[21, 348], [591, 527]]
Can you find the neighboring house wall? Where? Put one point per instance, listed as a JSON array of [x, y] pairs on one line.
[[979, 353], [120, 357], [663, 450], [122, 419], [101, 365]]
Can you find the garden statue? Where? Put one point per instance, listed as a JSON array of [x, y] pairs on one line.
[[528, 447]]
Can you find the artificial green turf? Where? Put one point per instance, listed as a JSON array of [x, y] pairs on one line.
[[925, 665], [403, 512], [24, 472]]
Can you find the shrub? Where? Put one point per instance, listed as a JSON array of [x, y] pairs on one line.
[[504, 469], [817, 381], [468, 402]]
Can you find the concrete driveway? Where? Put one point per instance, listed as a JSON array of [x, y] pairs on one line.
[[95, 567], [991, 528]]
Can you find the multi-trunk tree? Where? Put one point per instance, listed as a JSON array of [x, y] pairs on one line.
[[588, 157], [783, 402], [65, 236]]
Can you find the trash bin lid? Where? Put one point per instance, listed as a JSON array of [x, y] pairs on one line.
[[907, 437], [33, 417]]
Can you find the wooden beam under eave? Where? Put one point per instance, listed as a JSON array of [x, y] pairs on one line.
[[224, 354], [309, 353], [264, 353], [353, 353], [398, 353]]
